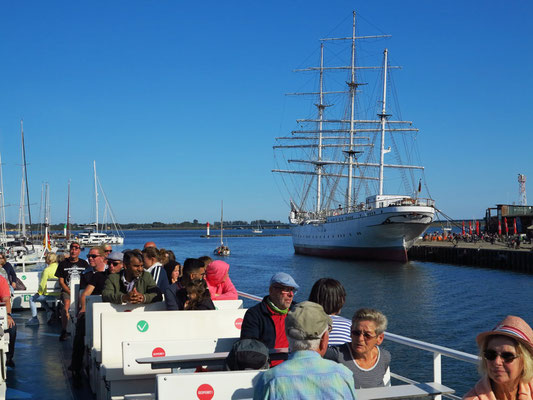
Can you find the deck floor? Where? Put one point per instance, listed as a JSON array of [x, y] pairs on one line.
[[41, 363]]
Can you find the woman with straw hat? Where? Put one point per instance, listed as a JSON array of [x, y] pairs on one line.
[[506, 362]]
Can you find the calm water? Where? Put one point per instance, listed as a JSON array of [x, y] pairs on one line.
[[438, 303]]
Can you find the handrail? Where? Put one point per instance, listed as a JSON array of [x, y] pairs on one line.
[[437, 351]]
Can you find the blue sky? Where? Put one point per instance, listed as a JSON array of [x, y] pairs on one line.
[[179, 102]]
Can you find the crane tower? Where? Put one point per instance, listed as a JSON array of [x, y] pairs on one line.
[[522, 189]]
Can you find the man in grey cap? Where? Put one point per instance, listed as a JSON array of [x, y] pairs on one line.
[[306, 375], [266, 320]]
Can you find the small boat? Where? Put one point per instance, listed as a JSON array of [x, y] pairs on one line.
[[222, 250], [258, 229], [91, 236]]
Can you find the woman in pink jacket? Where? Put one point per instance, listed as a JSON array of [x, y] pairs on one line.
[[218, 281], [506, 362]]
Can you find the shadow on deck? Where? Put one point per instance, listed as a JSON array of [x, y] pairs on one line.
[[41, 363]]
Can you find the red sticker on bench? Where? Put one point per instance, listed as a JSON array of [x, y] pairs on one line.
[[158, 352], [205, 392], [238, 323]]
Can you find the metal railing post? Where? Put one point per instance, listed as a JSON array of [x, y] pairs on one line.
[[437, 371]]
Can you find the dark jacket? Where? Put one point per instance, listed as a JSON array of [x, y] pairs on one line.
[[114, 288], [257, 324], [176, 296], [11, 274]]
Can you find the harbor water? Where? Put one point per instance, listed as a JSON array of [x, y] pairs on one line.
[[438, 303]]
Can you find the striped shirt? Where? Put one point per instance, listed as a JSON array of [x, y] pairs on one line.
[[341, 332]]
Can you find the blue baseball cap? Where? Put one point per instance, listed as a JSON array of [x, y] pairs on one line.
[[284, 279]]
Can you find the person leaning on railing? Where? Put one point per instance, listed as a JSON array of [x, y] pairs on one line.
[[506, 363]]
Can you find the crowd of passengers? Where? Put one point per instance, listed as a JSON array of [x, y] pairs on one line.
[[307, 348]]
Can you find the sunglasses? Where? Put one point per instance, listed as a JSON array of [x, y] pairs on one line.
[[108, 251], [93, 255], [506, 356], [113, 263], [357, 333], [286, 289], [74, 247]]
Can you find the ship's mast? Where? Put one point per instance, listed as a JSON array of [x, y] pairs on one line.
[[321, 108], [383, 118], [353, 88]]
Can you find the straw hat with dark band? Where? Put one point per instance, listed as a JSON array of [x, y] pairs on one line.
[[513, 327]]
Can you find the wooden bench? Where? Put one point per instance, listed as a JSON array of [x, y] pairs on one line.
[[162, 326]]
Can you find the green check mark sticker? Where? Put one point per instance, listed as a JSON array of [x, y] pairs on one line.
[[142, 326]]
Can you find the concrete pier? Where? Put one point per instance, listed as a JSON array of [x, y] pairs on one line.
[[480, 254]]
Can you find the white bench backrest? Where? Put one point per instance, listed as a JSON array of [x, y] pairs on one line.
[[89, 302], [164, 325], [31, 280], [157, 348], [207, 385], [99, 308], [227, 304], [53, 286]]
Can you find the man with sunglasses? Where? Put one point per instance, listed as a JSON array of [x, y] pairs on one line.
[[95, 286], [266, 320], [65, 269]]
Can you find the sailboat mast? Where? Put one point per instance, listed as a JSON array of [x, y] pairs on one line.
[[353, 87], [68, 212], [221, 221], [95, 195], [26, 176], [2, 210], [320, 107], [383, 118]]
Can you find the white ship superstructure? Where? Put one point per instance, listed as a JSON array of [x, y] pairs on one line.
[[340, 155]]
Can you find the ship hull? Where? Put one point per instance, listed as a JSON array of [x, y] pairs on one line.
[[379, 234]]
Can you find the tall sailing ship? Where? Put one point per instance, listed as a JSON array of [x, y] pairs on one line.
[[340, 154]]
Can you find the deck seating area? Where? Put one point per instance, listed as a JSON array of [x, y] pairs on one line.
[[145, 352]]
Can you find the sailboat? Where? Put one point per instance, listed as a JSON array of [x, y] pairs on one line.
[[338, 156], [20, 250], [91, 236], [258, 229], [222, 249]]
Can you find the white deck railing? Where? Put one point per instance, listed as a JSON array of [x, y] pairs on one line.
[[438, 352]]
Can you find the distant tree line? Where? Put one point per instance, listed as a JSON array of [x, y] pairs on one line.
[[195, 224]]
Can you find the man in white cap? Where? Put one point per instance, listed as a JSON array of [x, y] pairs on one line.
[[266, 320], [306, 375]]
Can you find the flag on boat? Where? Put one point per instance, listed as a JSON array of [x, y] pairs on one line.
[[514, 226], [463, 232], [477, 228], [499, 226]]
